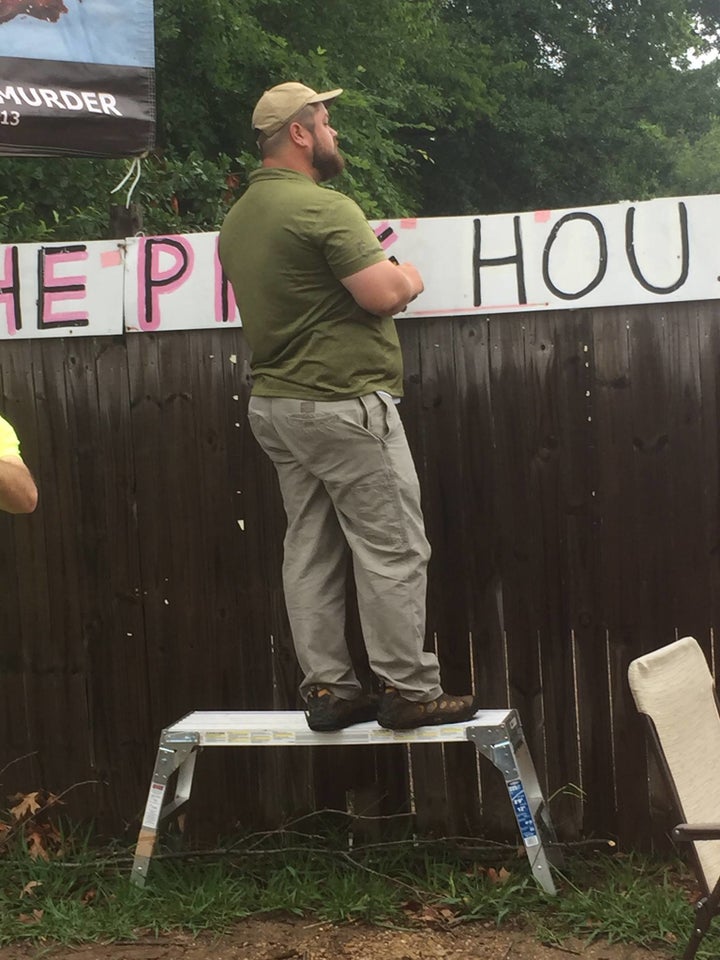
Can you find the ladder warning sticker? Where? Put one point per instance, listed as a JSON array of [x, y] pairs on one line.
[[522, 813], [153, 806], [261, 736], [438, 731], [238, 736], [284, 736]]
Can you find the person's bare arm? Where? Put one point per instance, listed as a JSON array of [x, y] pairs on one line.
[[385, 287], [18, 493]]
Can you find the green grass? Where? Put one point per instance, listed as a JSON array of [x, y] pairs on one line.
[[87, 896]]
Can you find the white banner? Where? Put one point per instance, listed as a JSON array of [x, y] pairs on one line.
[[61, 289], [622, 253], [625, 253], [176, 283]]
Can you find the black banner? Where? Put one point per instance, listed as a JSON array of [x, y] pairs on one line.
[[76, 87]]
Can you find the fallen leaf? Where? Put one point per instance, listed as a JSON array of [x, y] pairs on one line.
[[36, 846], [28, 805], [29, 889], [34, 917]]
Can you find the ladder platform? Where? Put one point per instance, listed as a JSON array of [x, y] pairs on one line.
[[282, 728], [496, 735]]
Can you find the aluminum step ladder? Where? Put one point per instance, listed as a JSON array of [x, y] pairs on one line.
[[496, 734]]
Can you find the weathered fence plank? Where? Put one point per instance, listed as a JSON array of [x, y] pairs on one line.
[[570, 474]]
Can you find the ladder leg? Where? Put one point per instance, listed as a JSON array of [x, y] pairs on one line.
[[170, 757], [506, 748], [536, 801]]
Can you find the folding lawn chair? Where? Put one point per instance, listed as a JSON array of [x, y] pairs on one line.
[[675, 690]]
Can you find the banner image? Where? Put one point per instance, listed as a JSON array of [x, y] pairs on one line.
[[77, 77]]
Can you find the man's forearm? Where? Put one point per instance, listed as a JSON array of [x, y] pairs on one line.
[[414, 280], [385, 287], [18, 493]]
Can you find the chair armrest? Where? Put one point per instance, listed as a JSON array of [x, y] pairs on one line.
[[696, 831]]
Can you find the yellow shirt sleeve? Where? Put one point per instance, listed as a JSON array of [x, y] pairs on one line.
[[9, 444]]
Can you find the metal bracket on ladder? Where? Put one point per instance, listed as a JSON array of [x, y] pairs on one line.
[[507, 750], [497, 735], [175, 753]]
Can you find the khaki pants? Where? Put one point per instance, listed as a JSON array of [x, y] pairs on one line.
[[347, 477]]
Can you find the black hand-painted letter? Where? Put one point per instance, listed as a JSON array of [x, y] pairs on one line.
[[81, 319], [632, 258], [602, 256], [11, 291], [516, 258]]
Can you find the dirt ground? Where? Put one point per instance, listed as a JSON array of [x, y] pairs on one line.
[[294, 939]]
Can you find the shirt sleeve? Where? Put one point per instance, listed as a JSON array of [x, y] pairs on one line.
[[347, 239], [9, 445]]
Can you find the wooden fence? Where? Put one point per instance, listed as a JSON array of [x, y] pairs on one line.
[[569, 467]]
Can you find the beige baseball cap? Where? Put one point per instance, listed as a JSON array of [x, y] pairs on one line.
[[280, 104]]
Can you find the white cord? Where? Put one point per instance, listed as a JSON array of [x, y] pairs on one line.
[[136, 168]]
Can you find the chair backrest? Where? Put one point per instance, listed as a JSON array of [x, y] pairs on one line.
[[675, 689]]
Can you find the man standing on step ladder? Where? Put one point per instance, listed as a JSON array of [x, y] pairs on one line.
[[317, 296]]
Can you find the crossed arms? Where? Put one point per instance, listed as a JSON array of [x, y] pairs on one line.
[[385, 287]]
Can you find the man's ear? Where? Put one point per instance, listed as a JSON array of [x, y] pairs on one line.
[[299, 134]]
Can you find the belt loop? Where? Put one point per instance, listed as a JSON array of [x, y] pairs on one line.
[[365, 413]]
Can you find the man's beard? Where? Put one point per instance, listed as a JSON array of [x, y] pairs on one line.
[[328, 163]]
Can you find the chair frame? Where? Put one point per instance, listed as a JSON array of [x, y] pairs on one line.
[[708, 904]]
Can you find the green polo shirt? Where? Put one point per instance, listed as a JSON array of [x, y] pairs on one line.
[[285, 246]]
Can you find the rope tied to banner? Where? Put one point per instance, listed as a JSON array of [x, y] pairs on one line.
[[135, 170]]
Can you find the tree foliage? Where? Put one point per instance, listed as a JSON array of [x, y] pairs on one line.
[[451, 106], [598, 98]]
